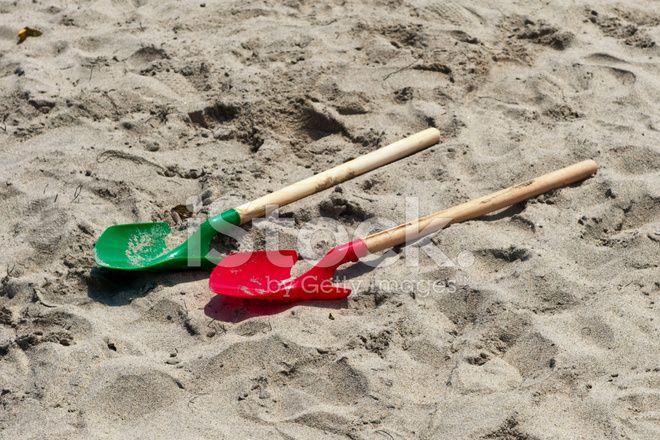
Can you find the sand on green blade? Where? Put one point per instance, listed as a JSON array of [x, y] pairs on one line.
[[143, 246]]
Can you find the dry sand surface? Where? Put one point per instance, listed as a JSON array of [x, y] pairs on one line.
[[546, 325]]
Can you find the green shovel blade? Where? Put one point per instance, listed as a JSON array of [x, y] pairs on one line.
[[143, 246]]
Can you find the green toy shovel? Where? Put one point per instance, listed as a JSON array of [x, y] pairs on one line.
[[142, 246]]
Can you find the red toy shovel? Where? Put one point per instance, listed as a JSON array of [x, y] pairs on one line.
[[266, 275]]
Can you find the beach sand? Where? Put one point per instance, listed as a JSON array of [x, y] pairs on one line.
[[543, 322]]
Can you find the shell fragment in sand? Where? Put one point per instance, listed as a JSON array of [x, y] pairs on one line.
[[27, 32]]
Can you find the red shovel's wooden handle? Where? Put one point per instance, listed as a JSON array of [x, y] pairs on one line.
[[479, 207]]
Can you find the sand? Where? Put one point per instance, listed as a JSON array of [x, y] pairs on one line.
[[545, 325]]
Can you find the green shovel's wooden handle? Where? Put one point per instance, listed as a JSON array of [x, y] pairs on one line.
[[340, 173]]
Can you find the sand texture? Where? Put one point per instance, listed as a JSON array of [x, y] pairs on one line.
[[546, 325]]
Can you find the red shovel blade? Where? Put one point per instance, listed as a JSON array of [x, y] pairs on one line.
[[252, 274], [266, 275]]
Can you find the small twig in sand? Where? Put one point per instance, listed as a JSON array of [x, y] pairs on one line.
[[91, 71], [498, 100], [193, 398], [44, 303], [112, 101], [77, 192], [400, 70], [384, 433], [109, 154]]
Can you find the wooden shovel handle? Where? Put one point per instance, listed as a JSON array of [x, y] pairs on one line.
[[340, 173], [479, 207]]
